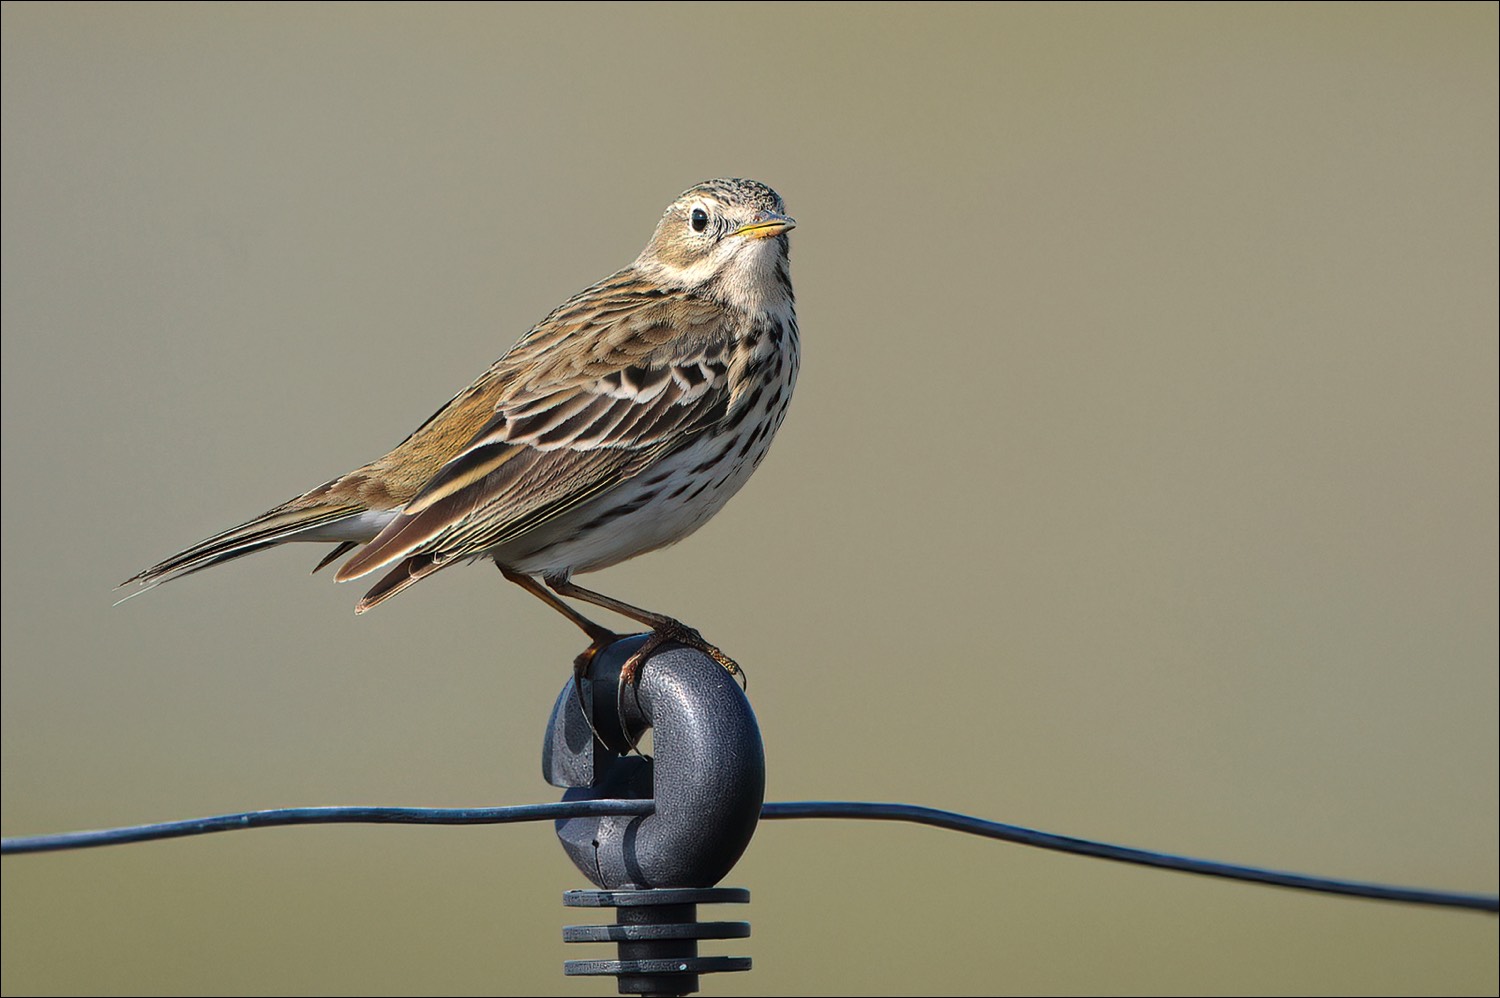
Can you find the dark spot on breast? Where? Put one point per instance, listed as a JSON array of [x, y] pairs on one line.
[[644, 499], [752, 397], [708, 464], [698, 491]]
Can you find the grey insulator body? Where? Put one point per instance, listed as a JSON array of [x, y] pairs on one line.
[[707, 772]]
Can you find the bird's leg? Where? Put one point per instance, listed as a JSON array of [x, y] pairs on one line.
[[664, 629], [601, 636]]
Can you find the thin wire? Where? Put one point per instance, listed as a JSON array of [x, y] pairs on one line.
[[1124, 854], [326, 816], [776, 811]]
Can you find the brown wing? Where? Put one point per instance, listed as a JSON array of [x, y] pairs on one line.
[[597, 393]]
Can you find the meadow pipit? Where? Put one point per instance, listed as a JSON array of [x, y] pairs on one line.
[[618, 425]]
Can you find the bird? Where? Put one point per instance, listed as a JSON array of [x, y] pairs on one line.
[[619, 424]]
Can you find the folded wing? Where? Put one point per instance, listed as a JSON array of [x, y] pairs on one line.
[[572, 425]]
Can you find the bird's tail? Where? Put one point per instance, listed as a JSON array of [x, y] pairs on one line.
[[407, 572], [276, 526]]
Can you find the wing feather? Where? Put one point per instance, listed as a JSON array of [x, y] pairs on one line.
[[571, 425]]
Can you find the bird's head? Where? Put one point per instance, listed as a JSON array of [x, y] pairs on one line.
[[726, 238]]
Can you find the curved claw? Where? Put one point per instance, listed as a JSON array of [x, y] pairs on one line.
[[675, 632], [581, 666], [669, 632]]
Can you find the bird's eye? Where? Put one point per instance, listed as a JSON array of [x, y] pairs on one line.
[[699, 219]]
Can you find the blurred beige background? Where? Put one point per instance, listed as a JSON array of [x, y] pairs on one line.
[[1140, 484]]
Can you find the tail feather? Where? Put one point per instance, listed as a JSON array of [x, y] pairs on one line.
[[334, 555], [272, 528], [409, 571], [404, 536]]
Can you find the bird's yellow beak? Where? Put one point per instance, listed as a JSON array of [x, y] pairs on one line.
[[766, 224]]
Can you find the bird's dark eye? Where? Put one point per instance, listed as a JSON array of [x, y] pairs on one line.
[[699, 219]]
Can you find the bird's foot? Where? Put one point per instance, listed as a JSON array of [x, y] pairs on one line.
[[672, 631], [668, 632]]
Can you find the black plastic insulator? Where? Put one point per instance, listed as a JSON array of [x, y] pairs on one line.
[[706, 777], [657, 935]]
